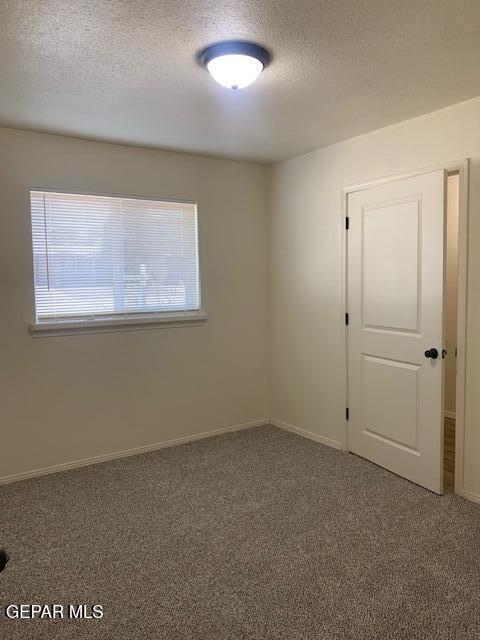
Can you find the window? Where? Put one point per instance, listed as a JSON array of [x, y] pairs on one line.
[[104, 259]]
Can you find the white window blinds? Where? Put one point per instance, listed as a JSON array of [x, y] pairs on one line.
[[97, 257]]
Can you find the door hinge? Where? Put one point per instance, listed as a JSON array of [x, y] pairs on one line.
[[347, 223], [346, 318], [347, 413]]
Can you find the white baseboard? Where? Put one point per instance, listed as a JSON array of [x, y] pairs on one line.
[[473, 497], [306, 434], [449, 414], [125, 453]]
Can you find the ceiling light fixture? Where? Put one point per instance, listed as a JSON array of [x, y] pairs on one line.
[[234, 64]]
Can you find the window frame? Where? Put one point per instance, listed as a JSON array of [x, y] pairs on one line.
[[133, 321]]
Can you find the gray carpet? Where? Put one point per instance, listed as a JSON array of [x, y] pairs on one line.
[[258, 535]]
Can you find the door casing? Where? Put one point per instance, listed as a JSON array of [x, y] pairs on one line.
[[462, 167]]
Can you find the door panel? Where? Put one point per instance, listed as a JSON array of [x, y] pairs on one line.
[[380, 376], [395, 290], [390, 237]]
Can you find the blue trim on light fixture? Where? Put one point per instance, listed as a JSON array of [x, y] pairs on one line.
[[231, 47]]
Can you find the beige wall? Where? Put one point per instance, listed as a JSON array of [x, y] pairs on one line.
[[450, 302], [307, 367], [66, 398], [73, 397]]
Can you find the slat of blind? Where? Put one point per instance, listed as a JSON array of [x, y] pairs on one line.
[[97, 256]]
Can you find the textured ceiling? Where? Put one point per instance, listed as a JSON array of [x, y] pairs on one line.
[[125, 70]]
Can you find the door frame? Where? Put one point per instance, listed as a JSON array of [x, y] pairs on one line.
[[462, 167]]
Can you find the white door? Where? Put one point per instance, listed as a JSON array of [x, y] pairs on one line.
[[395, 301]]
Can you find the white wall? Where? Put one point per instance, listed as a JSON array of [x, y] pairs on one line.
[[307, 367], [73, 397], [66, 398]]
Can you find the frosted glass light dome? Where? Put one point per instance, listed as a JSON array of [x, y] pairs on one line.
[[234, 65], [235, 71]]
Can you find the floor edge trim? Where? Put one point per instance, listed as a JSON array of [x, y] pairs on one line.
[[334, 444], [468, 495], [126, 453]]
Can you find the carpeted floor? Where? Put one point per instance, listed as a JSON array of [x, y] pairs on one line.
[[253, 535]]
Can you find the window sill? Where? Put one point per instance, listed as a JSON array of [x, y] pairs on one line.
[[108, 325]]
